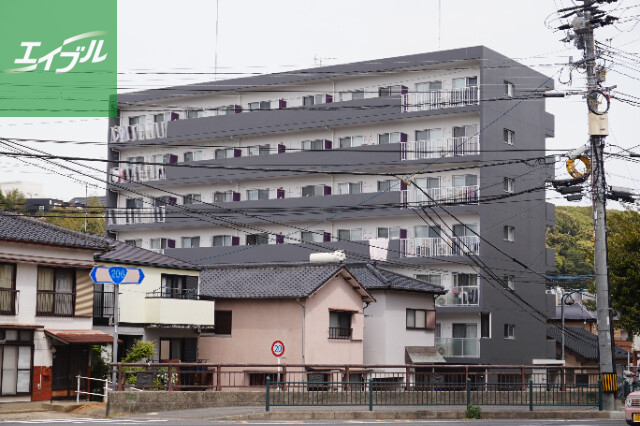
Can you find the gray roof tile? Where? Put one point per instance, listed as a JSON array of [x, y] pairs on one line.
[[373, 277], [126, 253], [581, 341]]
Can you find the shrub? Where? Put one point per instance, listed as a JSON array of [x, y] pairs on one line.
[[473, 412]]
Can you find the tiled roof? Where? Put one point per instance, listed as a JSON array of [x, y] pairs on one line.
[[132, 255], [576, 312], [581, 341], [14, 227], [373, 277]]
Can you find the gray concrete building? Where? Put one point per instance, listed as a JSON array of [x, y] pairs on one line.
[[431, 164]]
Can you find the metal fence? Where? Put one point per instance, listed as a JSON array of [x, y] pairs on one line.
[[381, 393]]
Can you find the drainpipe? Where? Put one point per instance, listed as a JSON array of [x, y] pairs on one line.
[[304, 312]]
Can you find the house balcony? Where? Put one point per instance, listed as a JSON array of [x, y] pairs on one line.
[[136, 216], [460, 296], [138, 132], [164, 309], [432, 196], [437, 99], [438, 148], [137, 174], [458, 347], [437, 247]]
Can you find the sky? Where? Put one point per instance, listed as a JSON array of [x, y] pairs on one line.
[[163, 43]]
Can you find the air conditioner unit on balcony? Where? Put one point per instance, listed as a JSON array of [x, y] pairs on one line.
[[441, 300], [441, 349]]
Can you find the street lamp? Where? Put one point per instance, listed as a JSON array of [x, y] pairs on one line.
[[563, 301]]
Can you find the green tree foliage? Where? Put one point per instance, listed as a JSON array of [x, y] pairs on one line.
[[571, 239], [140, 351], [74, 218], [13, 201]]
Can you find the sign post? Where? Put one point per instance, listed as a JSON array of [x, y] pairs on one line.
[[277, 349], [116, 275]]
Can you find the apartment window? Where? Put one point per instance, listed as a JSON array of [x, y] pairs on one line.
[[508, 185], [509, 89], [485, 325], [509, 233], [350, 234], [162, 243], [464, 82], [158, 118], [392, 233], [391, 91], [190, 242], [192, 156], [315, 99], [430, 278], [7, 289], [388, 185], [136, 243], [351, 141], [465, 181], [257, 239], [464, 331], [195, 113], [16, 351], [350, 188], [509, 136], [137, 120], [428, 86], [462, 280], [313, 190], [257, 194], [254, 106], [429, 135], [461, 231], [509, 281], [340, 325], [225, 153], [509, 331], [102, 303], [395, 137], [422, 231], [223, 197], [222, 240], [164, 201], [312, 236], [191, 199], [438, 331], [315, 145], [352, 95], [56, 291], [416, 318], [222, 320], [225, 110], [256, 150]]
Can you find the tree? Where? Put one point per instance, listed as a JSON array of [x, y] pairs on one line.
[[74, 218], [14, 201]]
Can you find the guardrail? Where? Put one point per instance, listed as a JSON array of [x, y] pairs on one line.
[[88, 379]]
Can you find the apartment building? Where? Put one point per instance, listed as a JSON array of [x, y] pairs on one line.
[[435, 161]]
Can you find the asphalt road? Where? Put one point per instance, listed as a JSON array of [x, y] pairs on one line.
[[173, 421]]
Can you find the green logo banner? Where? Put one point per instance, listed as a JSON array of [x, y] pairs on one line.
[[58, 58]]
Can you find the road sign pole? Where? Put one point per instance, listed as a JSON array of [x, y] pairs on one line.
[[114, 357]]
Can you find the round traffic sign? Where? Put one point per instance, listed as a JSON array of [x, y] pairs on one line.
[[277, 348]]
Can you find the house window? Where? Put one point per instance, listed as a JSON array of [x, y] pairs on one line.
[[102, 303], [509, 136], [392, 233], [7, 289], [191, 199], [254, 106], [350, 188], [315, 145], [509, 331], [178, 349], [222, 240], [313, 191], [351, 141], [509, 281], [179, 286], [223, 197], [195, 113], [430, 278], [509, 233], [136, 243], [224, 153], [190, 242], [509, 89], [350, 234], [340, 325], [56, 292], [257, 194], [485, 325], [16, 351], [508, 185], [420, 319], [312, 236], [256, 150], [395, 137], [257, 239], [192, 156], [351, 95], [222, 321]]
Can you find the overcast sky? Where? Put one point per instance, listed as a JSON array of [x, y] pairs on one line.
[[259, 36]]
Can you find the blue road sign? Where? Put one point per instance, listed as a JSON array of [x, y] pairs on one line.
[[116, 275]]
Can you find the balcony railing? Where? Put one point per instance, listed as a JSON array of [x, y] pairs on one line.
[[138, 132], [136, 216], [455, 194], [438, 148], [173, 293], [436, 99], [458, 347], [8, 298], [460, 296], [137, 174], [51, 303], [434, 247], [340, 333]]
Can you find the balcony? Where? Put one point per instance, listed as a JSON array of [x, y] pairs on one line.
[[438, 148], [436, 99], [8, 298], [136, 216], [190, 310], [456, 194], [460, 296], [138, 132], [137, 174], [436, 247], [458, 347]]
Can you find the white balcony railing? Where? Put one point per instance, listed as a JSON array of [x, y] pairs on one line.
[[458, 347], [431, 196], [181, 312], [436, 99], [138, 132], [137, 174], [435, 247], [460, 296], [136, 216], [438, 148]]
